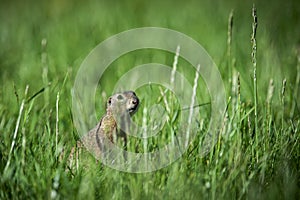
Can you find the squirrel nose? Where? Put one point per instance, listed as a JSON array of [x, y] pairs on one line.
[[135, 101]]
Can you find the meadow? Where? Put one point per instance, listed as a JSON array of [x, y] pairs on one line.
[[256, 156]]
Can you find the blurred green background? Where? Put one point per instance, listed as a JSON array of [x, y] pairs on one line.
[[74, 28]]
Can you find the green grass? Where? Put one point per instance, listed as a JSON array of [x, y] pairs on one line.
[[257, 153]]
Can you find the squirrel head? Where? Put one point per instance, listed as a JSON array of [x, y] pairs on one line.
[[122, 103]]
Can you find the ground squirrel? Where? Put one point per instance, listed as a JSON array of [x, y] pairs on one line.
[[121, 106]]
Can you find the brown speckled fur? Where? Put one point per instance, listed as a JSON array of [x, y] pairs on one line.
[[117, 105]]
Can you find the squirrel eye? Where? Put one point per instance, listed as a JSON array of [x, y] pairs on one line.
[[109, 101]]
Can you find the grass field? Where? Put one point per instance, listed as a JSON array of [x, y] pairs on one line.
[[42, 45]]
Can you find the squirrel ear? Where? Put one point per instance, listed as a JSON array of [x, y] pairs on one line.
[[120, 97]]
